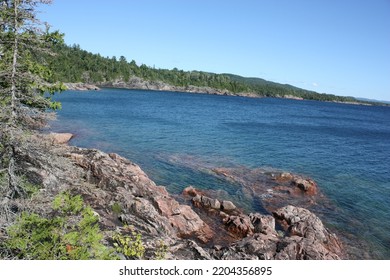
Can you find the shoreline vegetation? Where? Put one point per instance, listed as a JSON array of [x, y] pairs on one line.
[[139, 84], [80, 70]]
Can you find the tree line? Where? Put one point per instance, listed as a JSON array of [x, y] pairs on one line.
[[73, 64]]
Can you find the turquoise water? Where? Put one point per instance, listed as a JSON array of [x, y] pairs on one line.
[[177, 137]]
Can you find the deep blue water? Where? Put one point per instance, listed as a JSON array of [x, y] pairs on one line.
[[176, 137]]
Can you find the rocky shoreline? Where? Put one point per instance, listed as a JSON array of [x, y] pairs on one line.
[[199, 227], [141, 84], [138, 83], [81, 86]]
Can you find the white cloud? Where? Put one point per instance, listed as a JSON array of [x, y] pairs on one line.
[[315, 84]]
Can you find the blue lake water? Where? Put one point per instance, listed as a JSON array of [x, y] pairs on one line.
[[176, 137]]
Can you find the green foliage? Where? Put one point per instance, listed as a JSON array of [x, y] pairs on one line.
[[25, 90], [72, 64], [116, 208], [34, 237], [130, 245], [84, 241], [68, 204], [25, 46], [28, 188], [161, 250], [72, 234]]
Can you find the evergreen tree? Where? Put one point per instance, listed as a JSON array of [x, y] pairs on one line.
[[24, 43]]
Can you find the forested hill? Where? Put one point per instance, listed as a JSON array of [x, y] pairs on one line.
[[72, 64]]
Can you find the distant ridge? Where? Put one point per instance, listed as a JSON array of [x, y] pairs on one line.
[[254, 81], [372, 100]]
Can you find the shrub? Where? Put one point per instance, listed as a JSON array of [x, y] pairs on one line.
[[28, 188], [161, 250], [131, 245], [73, 234], [68, 204], [116, 208]]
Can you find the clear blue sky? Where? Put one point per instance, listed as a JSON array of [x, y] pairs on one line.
[[333, 46]]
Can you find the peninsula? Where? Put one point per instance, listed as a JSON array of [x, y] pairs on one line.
[[76, 67]]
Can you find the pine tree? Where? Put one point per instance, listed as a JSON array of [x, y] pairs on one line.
[[25, 94]]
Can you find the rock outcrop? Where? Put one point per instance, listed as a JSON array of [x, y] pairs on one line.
[[140, 195], [304, 235], [138, 83], [201, 200], [306, 238], [306, 186], [201, 227], [81, 86]]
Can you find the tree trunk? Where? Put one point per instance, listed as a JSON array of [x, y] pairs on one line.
[[14, 189]]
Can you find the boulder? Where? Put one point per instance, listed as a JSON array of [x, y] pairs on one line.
[[188, 224], [306, 229], [305, 237], [167, 206], [239, 225], [190, 191], [264, 224], [60, 138], [183, 218], [202, 201], [306, 185], [211, 203], [301, 222], [284, 177], [227, 205]]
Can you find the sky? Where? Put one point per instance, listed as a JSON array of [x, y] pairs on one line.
[[330, 46]]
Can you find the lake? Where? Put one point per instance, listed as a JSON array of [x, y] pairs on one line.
[[177, 138]]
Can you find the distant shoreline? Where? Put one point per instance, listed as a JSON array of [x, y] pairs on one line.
[[139, 84]]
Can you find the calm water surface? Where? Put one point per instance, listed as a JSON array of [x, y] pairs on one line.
[[177, 137]]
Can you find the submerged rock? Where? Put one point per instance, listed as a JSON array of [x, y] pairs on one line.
[[308, 186], [274, 189]]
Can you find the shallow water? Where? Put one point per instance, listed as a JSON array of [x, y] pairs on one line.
[[177, 138]]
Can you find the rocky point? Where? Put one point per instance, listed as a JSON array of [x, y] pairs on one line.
[[199, 227]]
